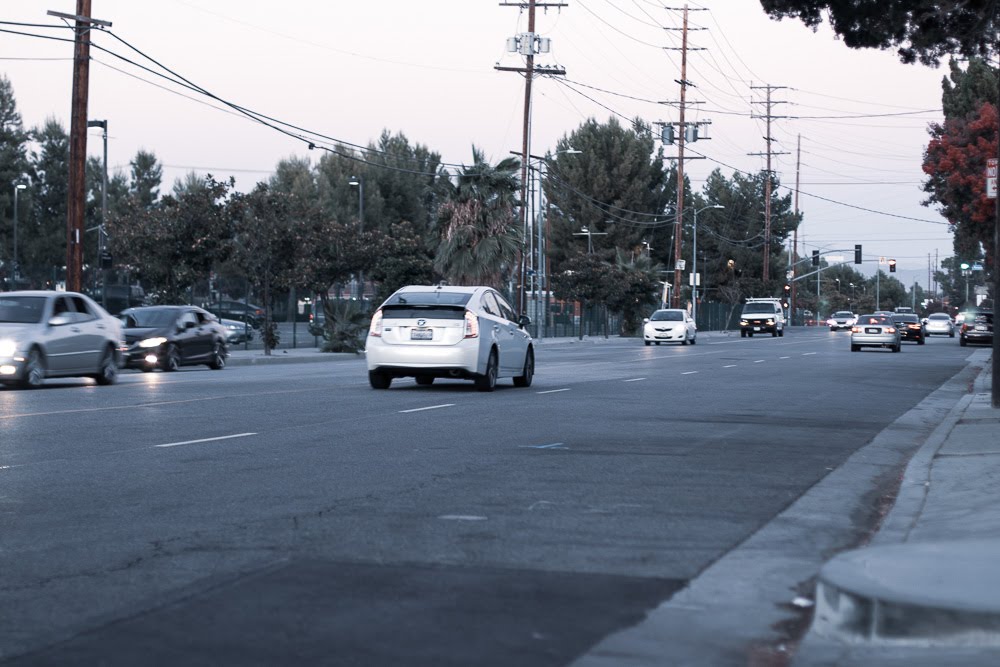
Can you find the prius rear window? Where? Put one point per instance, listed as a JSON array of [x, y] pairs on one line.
[[408, 312], [435, 298]]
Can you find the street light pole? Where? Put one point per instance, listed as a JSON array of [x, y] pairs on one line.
[[359, 181], [17, 265], [101, 233], [694, 263]]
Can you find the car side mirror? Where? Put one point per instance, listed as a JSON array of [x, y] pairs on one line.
[[523, 321], [645, 320], [58, 320]]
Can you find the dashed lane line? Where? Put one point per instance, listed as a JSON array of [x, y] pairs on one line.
[[552, 391], [429, 407], [194, 442], [689, 372], [634, 380]]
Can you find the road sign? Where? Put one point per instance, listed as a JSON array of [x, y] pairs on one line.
[[693, 279], [977, 267], [991, 178], [882, 260], [835, 258], [681, 264]]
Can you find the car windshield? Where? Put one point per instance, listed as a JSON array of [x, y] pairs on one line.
[[759, 308], [905, 318], [148, 318], [843, 313], [667, 316], [874, 319], [938, 316], [435, 298], [21, 309]]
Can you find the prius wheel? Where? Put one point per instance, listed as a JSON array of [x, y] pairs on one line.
[[855, 348], [107, 372], [647, 343], [425, 380], [379, 380], [524, 379], [488, 380], [172, 359], [34, 371], [218, 359]]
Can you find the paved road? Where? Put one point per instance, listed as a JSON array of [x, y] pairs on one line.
[[269, 514]]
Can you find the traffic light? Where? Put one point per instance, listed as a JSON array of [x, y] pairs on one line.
[[815, 257], [892, 266], [786, 299], [857, 253], [788, 289]]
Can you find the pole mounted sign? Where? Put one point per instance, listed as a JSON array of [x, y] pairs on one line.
[[991, 178]]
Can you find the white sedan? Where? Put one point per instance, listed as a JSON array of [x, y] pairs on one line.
[[427, 332], [939, 323], [669, 325]]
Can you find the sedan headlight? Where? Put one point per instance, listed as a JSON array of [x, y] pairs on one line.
[[152, 342], [8, 347]]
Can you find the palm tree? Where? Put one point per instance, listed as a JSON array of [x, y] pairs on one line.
[[480, 234]]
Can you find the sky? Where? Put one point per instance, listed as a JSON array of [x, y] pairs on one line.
[[350, 70]]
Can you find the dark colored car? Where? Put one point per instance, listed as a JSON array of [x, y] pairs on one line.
[[910, 327], [168, 337], [977, 327], [239, 332], [237, 310]]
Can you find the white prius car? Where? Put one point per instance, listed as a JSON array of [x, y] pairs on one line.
[[427, 332]]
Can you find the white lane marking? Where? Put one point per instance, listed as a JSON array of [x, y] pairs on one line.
[[551, 391], [730, 366], [554, 445], [634, 380], [806, 354], [194, 442], [429, 407], [112, 407], [760, 361], [462, 517], [689, 372], [784, 357]]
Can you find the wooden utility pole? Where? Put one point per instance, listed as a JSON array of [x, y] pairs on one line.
[[527, 44], [78, 141], [768, 182], [795, 234], [678, 227]]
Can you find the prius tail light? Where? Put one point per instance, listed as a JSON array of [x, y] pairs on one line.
[[471, 325], [375, 328]]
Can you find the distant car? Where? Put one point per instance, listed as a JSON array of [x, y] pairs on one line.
[[939, 323], [429, 332], [875, 331], [56, 334], [237, 331], [842, 319], [910, 327], [168, 337], [669, 325], [237, 310], [977, 327]]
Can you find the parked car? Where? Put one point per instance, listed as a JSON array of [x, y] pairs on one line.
[[842, 319], [237, 331], [910, 327], [237, 310], [56, 334], [939, 323], [669, 325], [977, 327], [429, 332], [875, 331], [168, 337]]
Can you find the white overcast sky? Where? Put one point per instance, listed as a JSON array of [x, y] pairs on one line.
[[348, 70]]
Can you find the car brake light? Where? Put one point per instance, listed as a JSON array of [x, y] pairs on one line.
[[855, 329], [890, 329], [471, 325], [375, 328]]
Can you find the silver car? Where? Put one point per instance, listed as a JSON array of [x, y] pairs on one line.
[[56, 334], [669, 325], [429, 332], [875, 331], [939, 323]]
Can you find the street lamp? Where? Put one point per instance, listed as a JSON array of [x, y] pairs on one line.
[[359, 181], [17, 266], [694, 262], [102, 230]]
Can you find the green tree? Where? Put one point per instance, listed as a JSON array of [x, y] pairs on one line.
[[14, 169], [923, 30], [173, 246], [43, 247], [404, 260], [147, 175], [117, 196], [480, 232], [614, 187], [964, 91]]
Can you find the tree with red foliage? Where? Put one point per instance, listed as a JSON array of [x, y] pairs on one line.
[[955, 162]]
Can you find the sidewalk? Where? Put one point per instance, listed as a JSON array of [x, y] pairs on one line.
[[926, 591]]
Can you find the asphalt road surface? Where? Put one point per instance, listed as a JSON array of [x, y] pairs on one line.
[[283, 514]]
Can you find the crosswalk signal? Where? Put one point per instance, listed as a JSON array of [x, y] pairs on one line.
[[815, 257], [892, 266], [857, 253]]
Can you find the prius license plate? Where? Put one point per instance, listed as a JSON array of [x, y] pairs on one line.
[[421, 334], [873, 330]]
